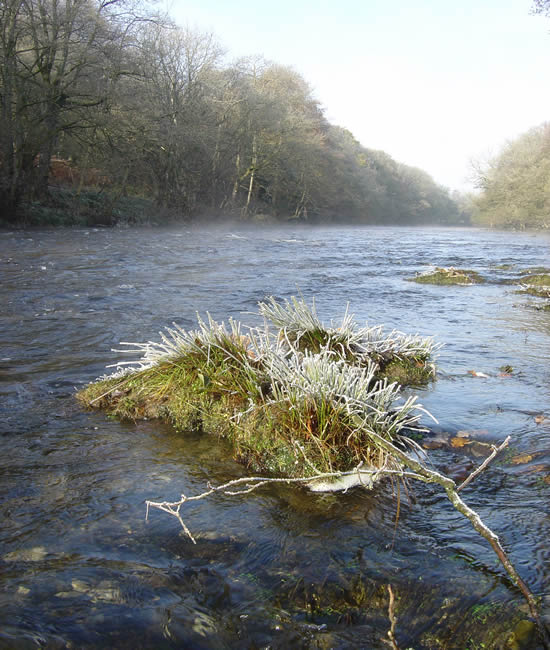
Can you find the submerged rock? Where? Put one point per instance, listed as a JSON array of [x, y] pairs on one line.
[[36, 554]]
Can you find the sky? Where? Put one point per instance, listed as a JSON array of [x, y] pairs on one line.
[[437, 84]]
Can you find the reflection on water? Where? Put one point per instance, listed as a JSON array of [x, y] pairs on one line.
[[280, 567]]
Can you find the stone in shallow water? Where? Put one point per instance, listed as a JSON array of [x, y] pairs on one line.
[[35, 554], [204, 625], [81, 586], [459, 442], [522, 636], [433, 444]]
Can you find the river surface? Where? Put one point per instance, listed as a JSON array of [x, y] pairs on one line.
[[281, 568]]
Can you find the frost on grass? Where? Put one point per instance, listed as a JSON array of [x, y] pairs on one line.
[[288, 395]]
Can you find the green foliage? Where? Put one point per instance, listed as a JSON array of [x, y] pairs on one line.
[[516, 184], [288, 409], [67, 207]]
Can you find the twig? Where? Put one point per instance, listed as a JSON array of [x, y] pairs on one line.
[[419, 472], [484, 464], [393, 620]]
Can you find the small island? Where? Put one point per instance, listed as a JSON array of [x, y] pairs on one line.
[[448, 276], [295, 397]]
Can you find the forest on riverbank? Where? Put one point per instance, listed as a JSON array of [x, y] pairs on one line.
[[515, 185], [113, 113]]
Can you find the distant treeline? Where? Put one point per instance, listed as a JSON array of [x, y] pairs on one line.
[[97, 92], [515, 185]]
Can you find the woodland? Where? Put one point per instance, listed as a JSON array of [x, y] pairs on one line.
[[515, 185], [112, 113]]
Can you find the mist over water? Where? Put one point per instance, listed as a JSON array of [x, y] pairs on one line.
[[280, 567]]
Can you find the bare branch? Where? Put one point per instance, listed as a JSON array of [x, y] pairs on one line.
[[484, 464], [393, 620]]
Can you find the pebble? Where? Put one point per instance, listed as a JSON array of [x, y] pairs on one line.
[[432, 444], [459, 442]]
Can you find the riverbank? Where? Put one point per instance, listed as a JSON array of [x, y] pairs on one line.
[[66, 207]]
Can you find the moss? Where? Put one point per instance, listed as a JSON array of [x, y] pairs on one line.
[[451, 275], [537, 280], [535, 285], [408, 372], [536, 270]]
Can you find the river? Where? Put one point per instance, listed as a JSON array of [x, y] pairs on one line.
[[81, 568]]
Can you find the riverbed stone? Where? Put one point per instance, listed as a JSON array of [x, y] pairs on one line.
[[522, 636], [204, 625], [35, 554]]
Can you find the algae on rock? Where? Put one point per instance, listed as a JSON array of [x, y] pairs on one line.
[[536, 285], [448, 276]]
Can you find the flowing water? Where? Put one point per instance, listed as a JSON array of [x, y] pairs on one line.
[[280, 567]]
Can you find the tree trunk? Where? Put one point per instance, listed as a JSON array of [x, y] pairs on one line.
[[252, 175]]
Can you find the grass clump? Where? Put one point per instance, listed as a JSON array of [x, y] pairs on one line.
[[537, 280], [295, 397], [448, 276], [536, 285]]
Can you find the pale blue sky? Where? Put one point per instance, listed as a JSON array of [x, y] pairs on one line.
[[432, 82]]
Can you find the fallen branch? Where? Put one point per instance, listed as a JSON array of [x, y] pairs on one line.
[[254, 482], [450, 487], [419, 472]]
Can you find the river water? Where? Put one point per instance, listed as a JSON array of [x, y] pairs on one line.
[[281, 567]]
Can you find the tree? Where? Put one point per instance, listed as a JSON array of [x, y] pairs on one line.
[[177, 122], [57, 60], [541, 7], [516, 184]]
